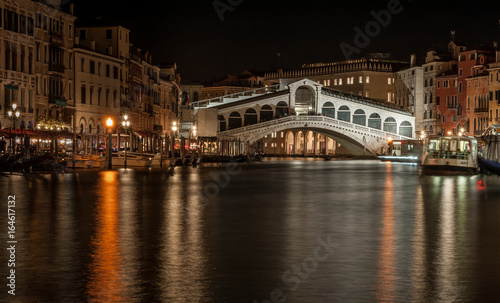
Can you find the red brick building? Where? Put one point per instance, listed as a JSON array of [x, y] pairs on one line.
[[447, 103], [471, 63]]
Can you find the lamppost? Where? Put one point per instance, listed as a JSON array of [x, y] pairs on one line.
[[14, 114], [193, 131], [109, 124], [174, 130], [126, 125]]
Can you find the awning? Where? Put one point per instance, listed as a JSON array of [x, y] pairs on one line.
[[16, 132]]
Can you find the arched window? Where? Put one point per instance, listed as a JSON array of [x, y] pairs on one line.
[[98, 129], [281, 109], [359, 117], [459, 110], [234, 120], [390, 125], [344, 113], [328, 110], [81, 128], [266, 113], [90, 128], [375, 121], [406, 129], [250, 117]]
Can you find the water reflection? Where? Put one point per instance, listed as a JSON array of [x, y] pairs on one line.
[[105, 282], [387, 260], [182, 255], [135, 236]]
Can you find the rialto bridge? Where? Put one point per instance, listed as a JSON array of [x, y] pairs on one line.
[[361, 125]]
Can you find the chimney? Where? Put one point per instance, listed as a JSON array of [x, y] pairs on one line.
[[413, 60], [498, 56], [495, 45], [72, 8], [92, 45]]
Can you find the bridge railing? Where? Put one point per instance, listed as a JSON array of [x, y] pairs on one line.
[[219, 100], [363, 100], [326, 119]]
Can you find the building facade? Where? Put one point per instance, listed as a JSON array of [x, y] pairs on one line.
[[35, 60], [372, 77], [97, 87], [409, 94]]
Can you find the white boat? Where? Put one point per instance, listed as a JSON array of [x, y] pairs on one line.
[[449, 155], [80, 162], [133, 160]]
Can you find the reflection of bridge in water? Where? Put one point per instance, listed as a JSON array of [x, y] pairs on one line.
[[305, 114]]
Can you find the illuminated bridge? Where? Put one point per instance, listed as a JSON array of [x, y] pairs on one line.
[[358, 124]]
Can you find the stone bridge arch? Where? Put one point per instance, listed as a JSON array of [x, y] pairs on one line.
[[355, 138]]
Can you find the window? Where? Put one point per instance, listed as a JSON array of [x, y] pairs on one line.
[[38, 20], [460, 88], [108, 71], [389, 81], [92, 67], [389, 96], [461, 72], [367, 79], [335, 82], [340, 81], [438, 100], [83, 95], [115, 72], [109, 34], [91, 93], [360, 79], [438, 84]]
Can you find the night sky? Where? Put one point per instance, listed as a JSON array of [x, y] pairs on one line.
[[192, 34]]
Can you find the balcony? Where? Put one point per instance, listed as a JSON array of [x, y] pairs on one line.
[[56, 38], [58, 68], [480, 109]]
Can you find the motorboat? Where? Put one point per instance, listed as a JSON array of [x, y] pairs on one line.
[[404, 151], [133, 160], [450, 155], [490, 155], [80, 162]]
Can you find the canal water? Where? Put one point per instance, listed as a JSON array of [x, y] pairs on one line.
[[276, 231]]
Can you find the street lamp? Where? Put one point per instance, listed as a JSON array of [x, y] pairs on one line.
[[126, 125], [109, 124], [174, 137], [14, 114]]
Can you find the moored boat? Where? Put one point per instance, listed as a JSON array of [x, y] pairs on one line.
[[449, 155], [80, 162], [133, 160], [404, 151]]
